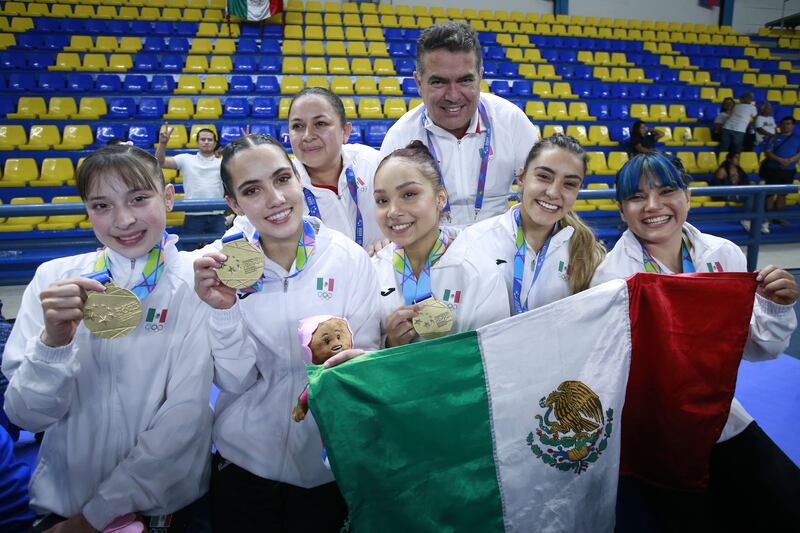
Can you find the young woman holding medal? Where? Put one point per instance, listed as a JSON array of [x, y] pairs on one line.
[[336, 177], [110, 355], [429, 285], [748, 471], [543, 250], [268, 473]]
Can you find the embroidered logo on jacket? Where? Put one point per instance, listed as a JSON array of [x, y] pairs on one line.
[[451, 297], [325, 288], [716, 266], [155, 319], [362, 185], [564, 270]]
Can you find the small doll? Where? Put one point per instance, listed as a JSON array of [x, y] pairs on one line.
[[321, 337]]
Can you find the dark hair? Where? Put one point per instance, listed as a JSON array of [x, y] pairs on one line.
[[726, 100], [334, 101], [138, 170], [657, 166], [418, 154], [115, 140], [240, 145], [635, 135], [790, 118], [746, 98], [453, 36], [201, 130]]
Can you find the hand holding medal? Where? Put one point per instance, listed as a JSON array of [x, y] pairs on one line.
[[243, 265], [434, 319], [63, 305], [207, 284]]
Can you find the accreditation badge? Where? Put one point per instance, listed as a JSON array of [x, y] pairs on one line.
[[112, 314], [435, 319], [244, 265]]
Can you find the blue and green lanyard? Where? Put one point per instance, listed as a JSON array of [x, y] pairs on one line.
[[519, 264], [651, 265], [305, 247], [313, 208], [484, 153], [151, 273], [418, 289]]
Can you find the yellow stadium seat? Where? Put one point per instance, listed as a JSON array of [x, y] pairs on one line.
[[384, 67], [192, 142], [370, 20], [563, 90], [61, 11], [106, 43], [79, 43], [91, 108], [291, 84], [375, 35], [292, 48], [179, 108], [557, 111], [552, 129], [292, 65], [365, 85], [316, 65], [580, 111], [229, 30], [283, 108], [61, 108], [616, 160], [597, 164], [189, 84], [749, 162], [20, 171], [579, 132], [369, 108], [42, 137], [335, 48], [341, 85], [666, 134], [535, 110], [220, 64], [170, 14], [314, 48], [601, 73], [689, 162], [620, 59], [350, 112], [361, 66], [93, 63], [682, 136], [178, 137], [11, 137], [106, 12], [542, 89], [21, 24], [356, 48], [23, 223], [338, 65], [207, 29], [215, 84], [291, 31], [29, 107], [317, 81], [377, 50], [394, 107], [703, 134], [224, 46], [207, 108], [334, 33], [389, 86], [119, 63], [707, 162], [66, 61], [128, 13], [201, 45], [527, 71], [547, 72], [533, 55], [639, 111], [485, 87], [352, 34], [658, 113], [59, 169], [599, 135]]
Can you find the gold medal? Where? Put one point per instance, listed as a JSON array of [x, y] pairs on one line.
[[244, 265], [434, 320], [112, 314]]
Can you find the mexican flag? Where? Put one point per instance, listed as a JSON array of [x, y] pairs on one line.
[[525, 424], [254, 9]]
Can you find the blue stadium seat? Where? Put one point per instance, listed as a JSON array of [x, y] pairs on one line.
[[10, 60], [142, 28], [264, 107], [104, 132], [412, 34], [522, 88], [117, 27], [668, 75], [409, 87], [603, 45], [569, 42], [162, 83], [568, 56], [621, 134], [54, 41], [500, 88], [283, 136], [79, 82], [29, 41], [21, 82], [690, 93], [154, 44], [240, 84], [244, 64], [604, 90], [582, 72], [145, 62], [638, 91], [393, 34], [496, 53], [489, 38], [267, 85], [150, 107], [621, 91], [121, 107], [550, 55], [657, 91], [172, 62], [404, 67], [269, 129], [178, 45], [48, 26], [355, 134], [2, 84], [187, 29], [269, 64], [52, 81], [164, 27], [251, 30], [7, 105], [107, 83], [247, 46], [619, 111], [672, 92], [490, 69], [508, 69], [695, 110], [270, 47], [230, 132], [582, 88], [235, 107], [398, 49], [143, 136], [39, 60], [95, 26], [600, 110], [73, 26], [375, 132], [135, 83]]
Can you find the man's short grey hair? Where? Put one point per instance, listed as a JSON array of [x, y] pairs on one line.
[[453, 37]]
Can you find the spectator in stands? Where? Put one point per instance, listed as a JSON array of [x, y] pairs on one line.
[[733, 131], [479, 140], [724, 112], [201, 180], [780, 164], [765, 124], [336, 177], [729, 172], [643, 139]]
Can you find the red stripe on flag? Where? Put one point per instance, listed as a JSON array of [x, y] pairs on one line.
[[330, 285], [163, 317], [686, 350], [275, 6]]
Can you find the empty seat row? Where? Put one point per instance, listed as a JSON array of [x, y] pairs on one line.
[[142, 28], [45, 137], [110, 12]]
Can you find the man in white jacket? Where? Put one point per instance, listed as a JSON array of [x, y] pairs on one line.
[[479, 140]]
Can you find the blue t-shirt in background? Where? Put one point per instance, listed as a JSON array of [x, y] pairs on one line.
[[783, 146]]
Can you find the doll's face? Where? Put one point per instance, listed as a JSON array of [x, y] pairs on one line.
[[330, 338]]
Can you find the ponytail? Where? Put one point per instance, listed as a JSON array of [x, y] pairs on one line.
[[585, 253]]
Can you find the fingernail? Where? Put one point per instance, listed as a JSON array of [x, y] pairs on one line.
[[759, 278]]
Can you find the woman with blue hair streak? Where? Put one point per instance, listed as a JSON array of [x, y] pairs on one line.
[[748, 472]]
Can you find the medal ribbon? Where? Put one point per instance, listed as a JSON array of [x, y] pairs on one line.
[[651, 265], [519, 264], [153, 268], [484, 153], [305, 247], [414, 289], [313, 208]]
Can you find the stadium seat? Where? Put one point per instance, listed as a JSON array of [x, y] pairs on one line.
[[189, 84], [369, 108], [215, 84], [61, 108], [265, 107], [42, 137], [291, 84], [179, 109], [162, 83], [196, 64], [29, 107], [19, 171], [235, 107], [267, 85], [107, 83], [103, 133], [26, 223], [91, 108], [365, 85], [177, 137], [375, 132], [143, 136]]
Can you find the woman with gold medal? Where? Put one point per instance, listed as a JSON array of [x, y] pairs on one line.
[[429, 285], [109, 355]]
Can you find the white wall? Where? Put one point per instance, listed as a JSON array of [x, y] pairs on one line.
[[669, 10], [749, 15]]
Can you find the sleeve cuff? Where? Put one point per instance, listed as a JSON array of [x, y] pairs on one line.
[[226, 317], [772, 308], [49, 354], [98, 513]]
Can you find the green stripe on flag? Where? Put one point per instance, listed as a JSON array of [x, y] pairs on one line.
[[404, 475], [238, 8], [151, 313]]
